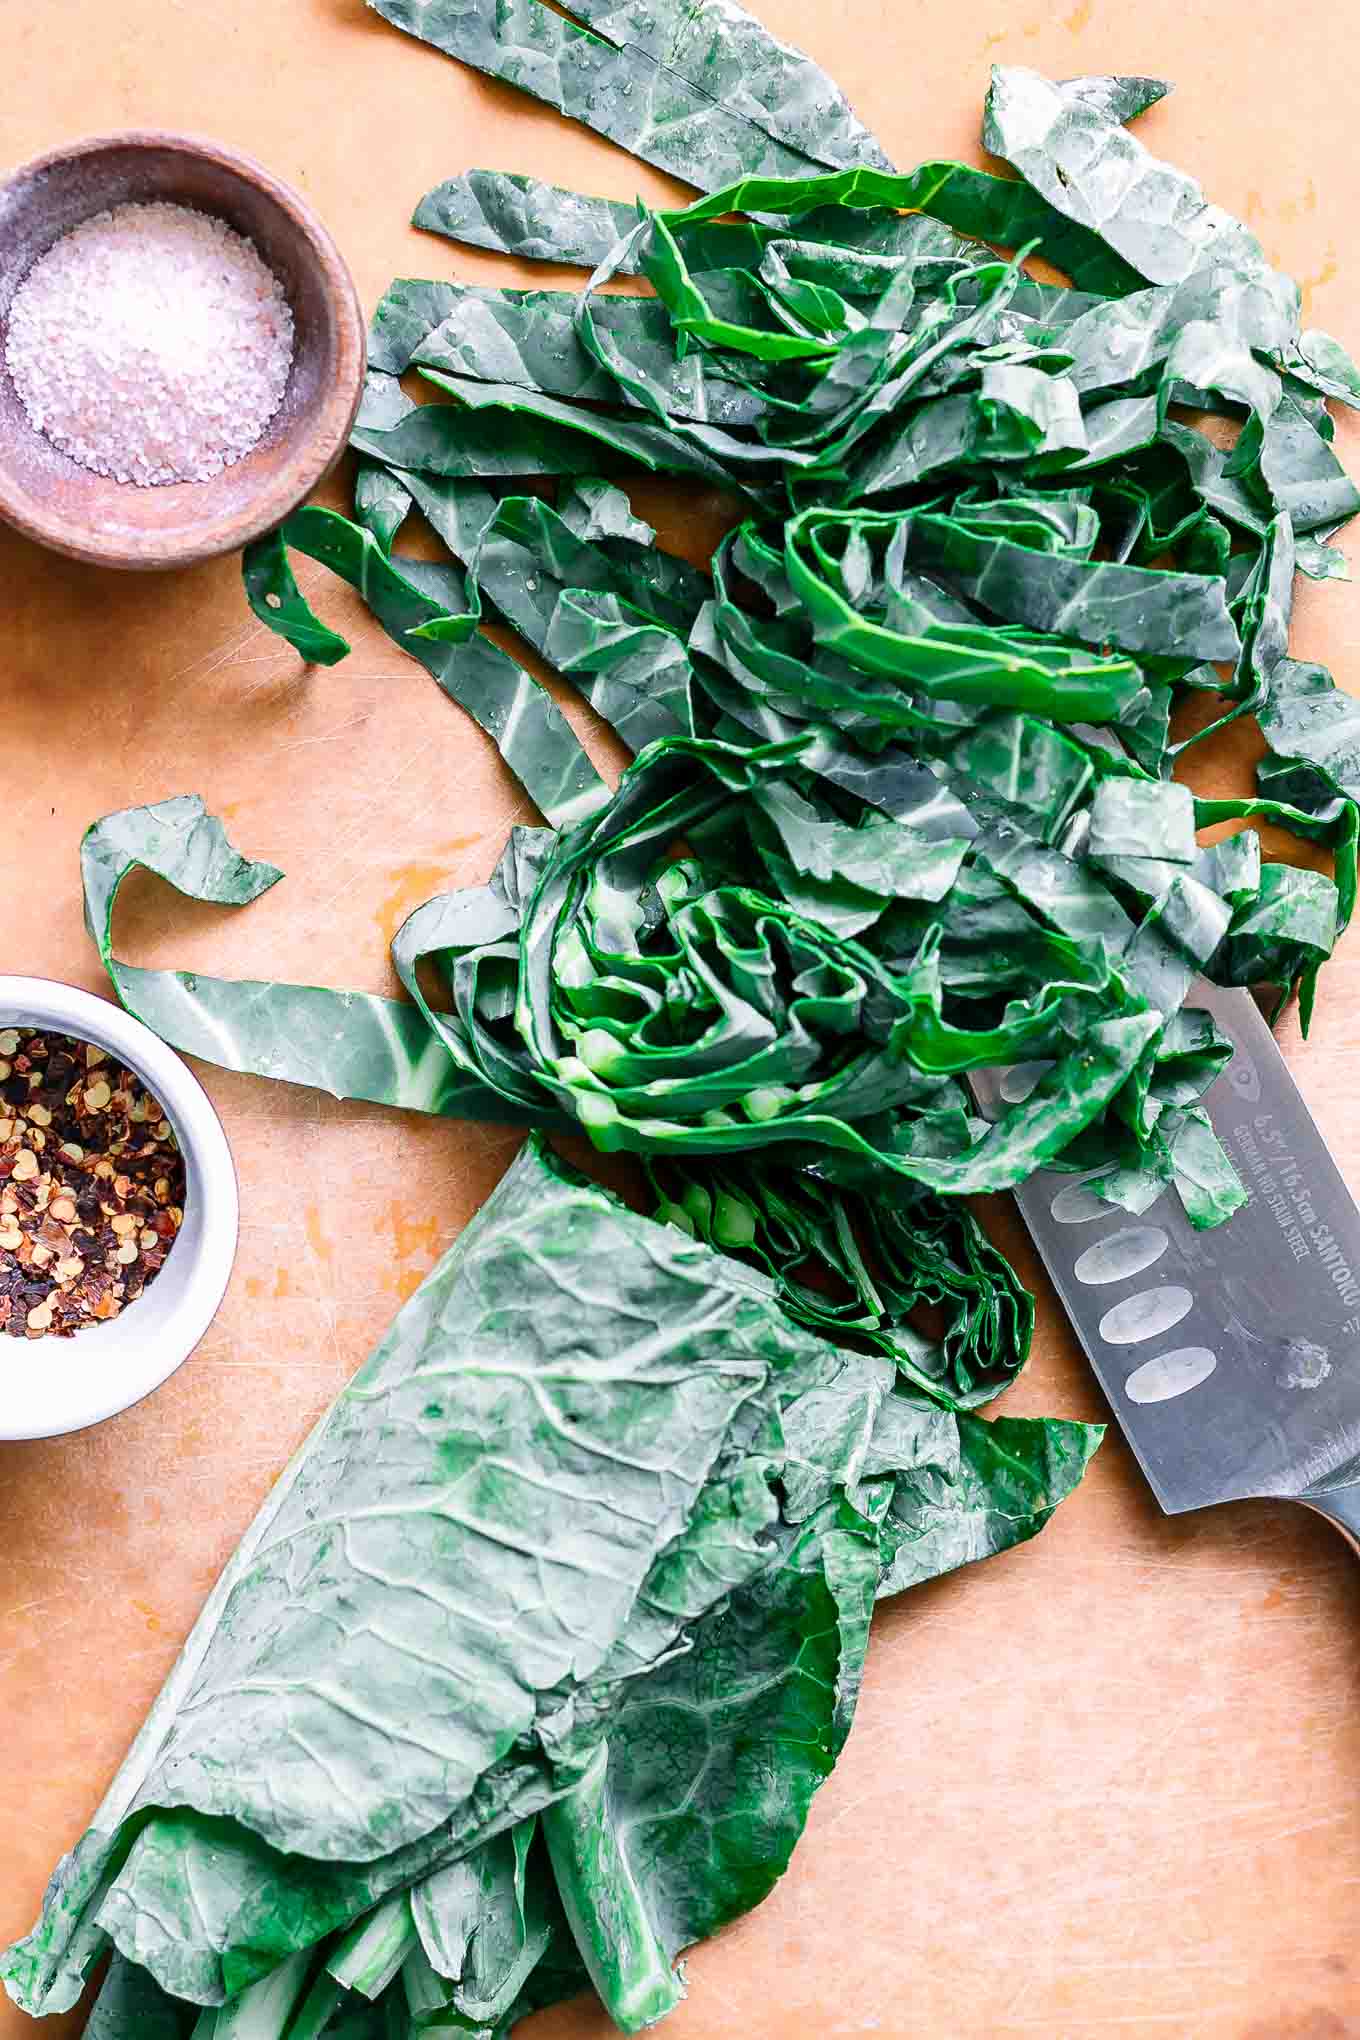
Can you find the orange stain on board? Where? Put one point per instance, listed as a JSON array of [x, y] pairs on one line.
[[1325, 275], [413, 884], [282, 1283], [316, 1238], [148, 1614], [415, 1239], [1077, 20]]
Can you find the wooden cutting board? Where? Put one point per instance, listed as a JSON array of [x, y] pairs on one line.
[[1109, 1783]]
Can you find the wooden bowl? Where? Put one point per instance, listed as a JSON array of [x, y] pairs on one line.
[[49, 496]]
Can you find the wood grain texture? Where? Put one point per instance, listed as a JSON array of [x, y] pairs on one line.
[[1106, 1785]]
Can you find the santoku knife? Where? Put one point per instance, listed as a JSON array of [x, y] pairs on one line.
[[1230, 1357]]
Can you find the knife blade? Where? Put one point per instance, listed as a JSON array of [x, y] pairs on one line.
[[1229, 1357]]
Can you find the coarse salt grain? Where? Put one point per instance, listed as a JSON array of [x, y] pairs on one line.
[[151, 344]]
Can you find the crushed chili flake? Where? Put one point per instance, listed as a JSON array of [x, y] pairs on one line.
[[91, 1185]]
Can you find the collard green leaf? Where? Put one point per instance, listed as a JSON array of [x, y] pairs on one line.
[[1141, 609], [1012, 1475], [361, 1757], [703, 91], [522, 216], [1324, 365], [132, 2006], [351, 1044], [528, 340], [740, 65], [558, 1515], [857, 1263], [1091, 169], [1307, 717], [1116, 99], [500, 430], [530, 732], [272, 589]]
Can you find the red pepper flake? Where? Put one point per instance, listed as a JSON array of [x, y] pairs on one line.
[[91, 1185]]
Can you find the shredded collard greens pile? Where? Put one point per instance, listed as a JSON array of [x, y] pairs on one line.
[[902, 807], [911, 737]]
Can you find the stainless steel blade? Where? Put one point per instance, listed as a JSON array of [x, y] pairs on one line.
[[1231, 1357]]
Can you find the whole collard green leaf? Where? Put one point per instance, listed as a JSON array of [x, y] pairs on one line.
[[504, 1573], [623, 1533]]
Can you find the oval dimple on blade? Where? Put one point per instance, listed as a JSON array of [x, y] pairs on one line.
[[1170, 1374], [1076, 1205], [1145, 1316], [1121, 1254]]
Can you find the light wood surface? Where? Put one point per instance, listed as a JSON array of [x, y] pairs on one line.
[[1108, 1784]]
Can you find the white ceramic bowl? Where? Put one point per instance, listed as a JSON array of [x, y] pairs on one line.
[[48, 1385]]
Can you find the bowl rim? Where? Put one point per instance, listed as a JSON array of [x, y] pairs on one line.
[[73, 1398], [328, 432]]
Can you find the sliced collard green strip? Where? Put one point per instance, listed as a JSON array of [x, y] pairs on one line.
[[530, 731], [1301, 473], [972, 201], [896, 635], [596, 510], [1114, 98], [273, 593], [527, 557], [1141, 609], [634, 673], [1091, 169], [382, 502], [857, 1263], [639, 100], [1307, 717], [350, 1044], [744, 68], [498, 430], [1321, 561], [1324, 365], [409, 308], [525, 217], [528, 339]]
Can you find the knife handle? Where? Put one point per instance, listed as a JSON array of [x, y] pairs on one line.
[[1341, 1507]]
